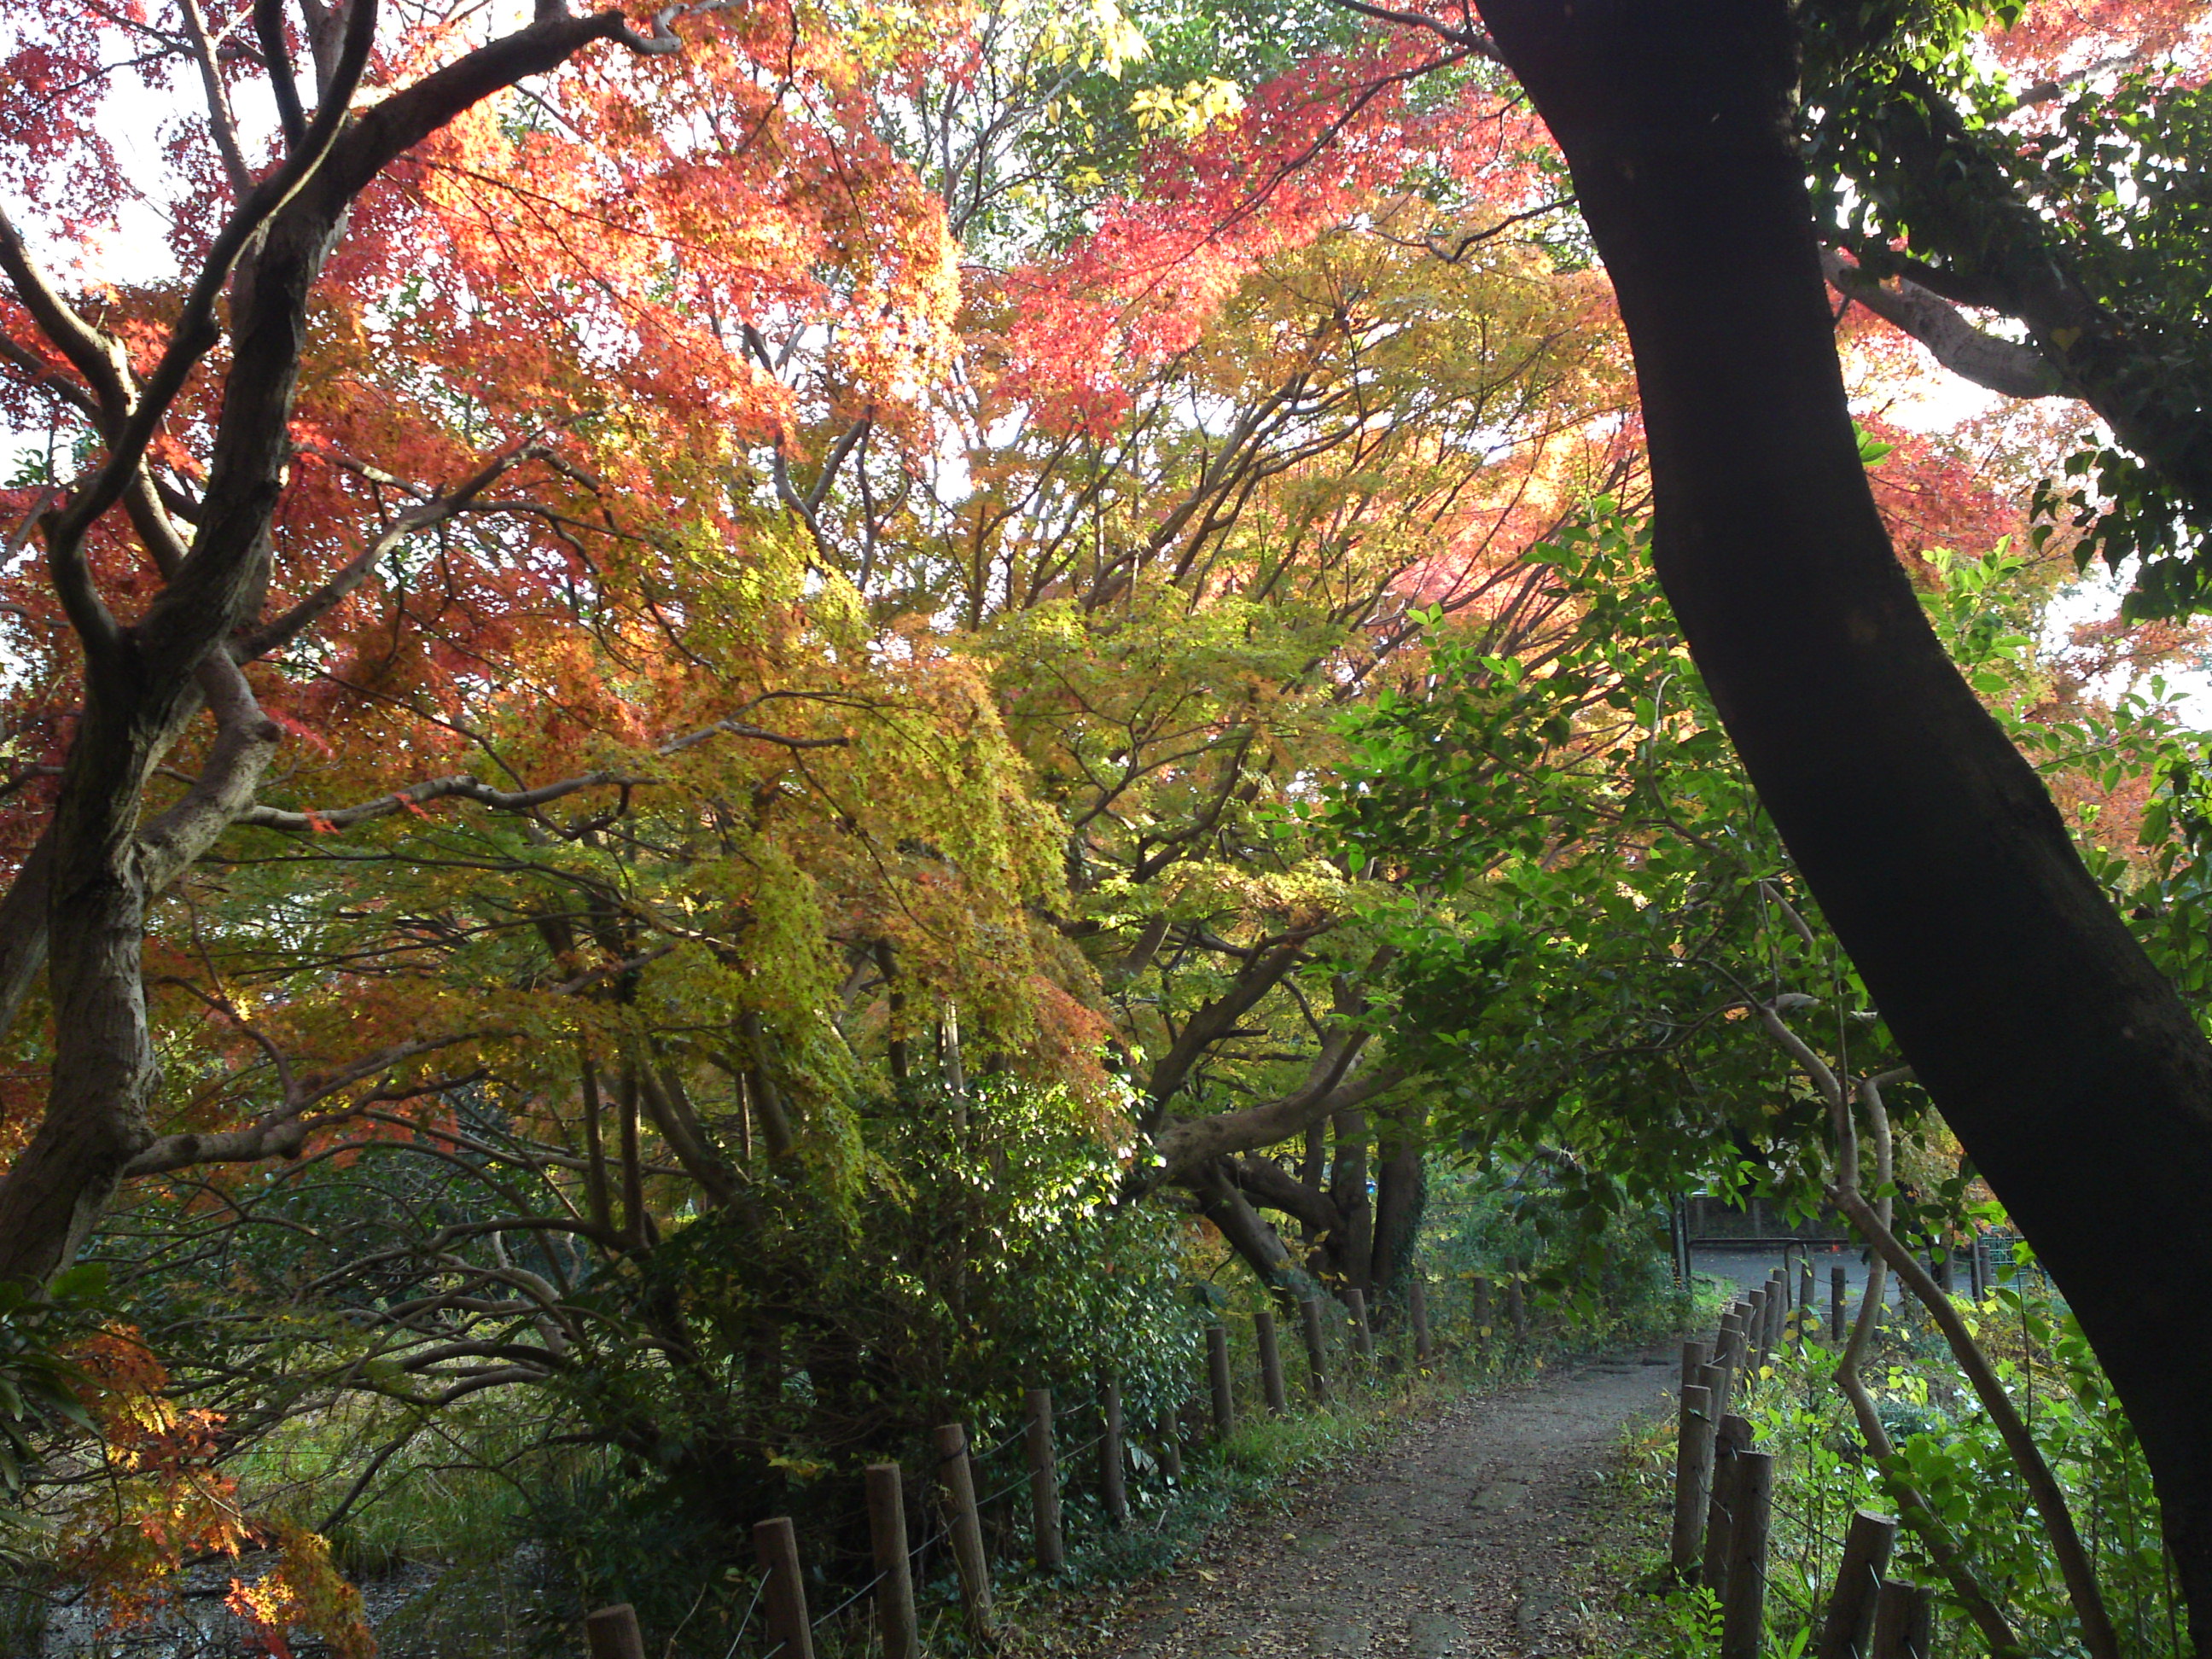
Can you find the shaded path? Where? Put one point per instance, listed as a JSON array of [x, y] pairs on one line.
[[1459, 1539]]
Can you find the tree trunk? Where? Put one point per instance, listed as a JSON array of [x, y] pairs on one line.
[[1351, 1247], [1247, 1232], [2066, 1064], [1400, 1190]]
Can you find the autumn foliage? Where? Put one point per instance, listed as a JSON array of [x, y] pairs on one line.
[[812, 563]]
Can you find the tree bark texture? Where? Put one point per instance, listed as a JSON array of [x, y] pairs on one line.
[[2070, 1071]]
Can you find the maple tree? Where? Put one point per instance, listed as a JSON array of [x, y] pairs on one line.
[[678, 671], [706, 715]]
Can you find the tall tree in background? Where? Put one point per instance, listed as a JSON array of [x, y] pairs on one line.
[[781, 657]]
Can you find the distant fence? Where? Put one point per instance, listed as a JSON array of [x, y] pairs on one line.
[[1341, 1351]]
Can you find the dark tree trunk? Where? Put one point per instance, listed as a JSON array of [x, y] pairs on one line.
[[2066, 1064], [1351, 1247], [1247, 1232], [1401, 1191]]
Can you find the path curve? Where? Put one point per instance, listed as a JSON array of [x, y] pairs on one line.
[[1458, 1540]]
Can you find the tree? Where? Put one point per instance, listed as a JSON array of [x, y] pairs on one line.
[[787, 742], [2068, 1069], [2048, 169]]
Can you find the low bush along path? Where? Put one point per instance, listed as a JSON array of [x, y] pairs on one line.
[[1466, 1536]]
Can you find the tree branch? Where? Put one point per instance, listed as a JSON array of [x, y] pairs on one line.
[[2004, 367], [1189, 1142]]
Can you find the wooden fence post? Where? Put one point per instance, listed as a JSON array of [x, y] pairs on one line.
[[1731, 1435], [1217, 1368], [1693, 1478], [967, 1528], [1316, 1347], [1733, 1345], [777, 1546], [1904, 1620], [1839, 1282], [1743, 1599], [1044, 1482], [1715, 1380], [1850, 1624], [1271, 1363], [1695, 1357], [1417, 1310], [612, 1634], [894, 1570], [1363, 1334], [1169, 1433], [1112, 1488]]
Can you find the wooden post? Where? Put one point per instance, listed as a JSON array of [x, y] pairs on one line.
[[1839, 1282], [612, 1634], [894, 1570], [1731, 1435], [1112, 1488], [1044, 1482], [1217, 1368], [1904, 1620], [1716, 1381], [1743, 1601], [1417, 1310], [1848, 1626], [1271, 1363], [1363, 1334], [966, 1528], [1516, 1308], [1316, 1347], [1696, 1356], [1733, 1345], [1693, 1477], [1168, 1434], [790, 1634], [1978, 1268]]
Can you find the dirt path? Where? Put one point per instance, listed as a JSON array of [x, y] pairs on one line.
[[1460, 1540]]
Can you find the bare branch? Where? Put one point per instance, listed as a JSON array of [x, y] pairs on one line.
[[1470, 39], [276, 59], [220, 120], [460, 784], [318, 604]]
